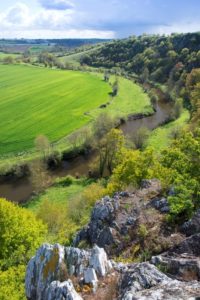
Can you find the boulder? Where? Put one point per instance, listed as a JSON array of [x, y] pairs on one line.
[[190, 246], [62, 291], [42, 269], [90, 277], [192, 226], [144, 281], [100, 229], [160, 204], [183, 260], [76, 260], [99, 261], [54, 263], [182, 267]]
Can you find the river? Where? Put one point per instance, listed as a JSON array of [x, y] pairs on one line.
[[21, 190]]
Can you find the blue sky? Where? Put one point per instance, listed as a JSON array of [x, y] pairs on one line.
[[96, 18]]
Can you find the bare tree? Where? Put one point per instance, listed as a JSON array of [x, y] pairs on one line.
[[42, 144], [40, 177], [102, 125], [140, 137]]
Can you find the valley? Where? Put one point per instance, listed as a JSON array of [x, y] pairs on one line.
[[99, 168]]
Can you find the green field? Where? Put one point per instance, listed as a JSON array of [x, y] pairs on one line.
[[56, 194], [4, 55], [160, 137], [37, 101]]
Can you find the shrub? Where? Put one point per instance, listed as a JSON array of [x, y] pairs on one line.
[[20, 234], [12, 283], [65, 181]]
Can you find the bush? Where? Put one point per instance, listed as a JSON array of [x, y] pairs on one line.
[[65, 181], [20, 234], [12, 283]]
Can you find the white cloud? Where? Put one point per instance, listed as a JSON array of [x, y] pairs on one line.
[[183, 27], [16, 16], [18, 21], [52, 20], [56, 34]]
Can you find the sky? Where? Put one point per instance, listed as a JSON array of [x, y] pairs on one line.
[[96, 18]]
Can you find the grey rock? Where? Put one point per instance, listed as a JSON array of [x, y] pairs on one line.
[[99, 231], [42, 269], [113, 218], [192, 226], [90, 275], [145, 282], [160, 204], [182, 261], [147, 183], [131, 220], [124, 194], [99, 261], [190, 246], [54, 263], [62, 291], [182, 267], [76, 260]]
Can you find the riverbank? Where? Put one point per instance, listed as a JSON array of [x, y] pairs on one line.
[[21, 190]]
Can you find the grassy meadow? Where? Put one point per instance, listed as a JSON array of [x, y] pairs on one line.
[[4, 55], [38, 101], [43, 101], [56, 194], [161, 136]]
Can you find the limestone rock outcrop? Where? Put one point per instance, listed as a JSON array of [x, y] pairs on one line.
[[113, 218], [144, 281], [183, 260], [192, 226], [49, 270]]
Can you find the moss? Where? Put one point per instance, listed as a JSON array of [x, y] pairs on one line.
[[42, 258], [51, 264]]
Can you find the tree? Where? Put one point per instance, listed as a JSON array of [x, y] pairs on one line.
[[132, 167], [81, 137], [85, 59], [140, 137], [40, 177], [20, 234], [106, 76], [42, 144], [115, 88], [109, 149], [195, 101], [12, 283], [178, 108], [145, 75], [102, 125], [8, 60]]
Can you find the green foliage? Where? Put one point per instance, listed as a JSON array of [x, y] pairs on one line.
[[66, 208], [163, 59], [140, 137], [110, 148], [142, 231], [181, 204], [132, 168], [20, 234], [152, 54], [66, 181], [177, 167], [12, 283]]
